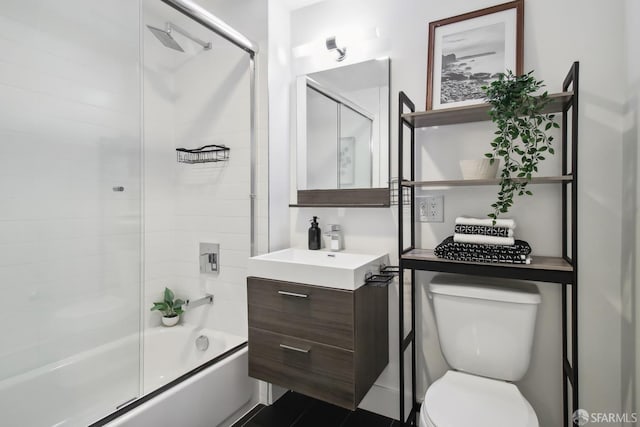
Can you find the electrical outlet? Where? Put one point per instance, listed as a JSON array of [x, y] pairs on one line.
[[430, 208]]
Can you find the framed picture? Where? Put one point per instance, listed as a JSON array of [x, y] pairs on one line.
[[467, 51], [347, 161]]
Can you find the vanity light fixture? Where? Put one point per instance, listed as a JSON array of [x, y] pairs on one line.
[[333, 45], [338, 42]]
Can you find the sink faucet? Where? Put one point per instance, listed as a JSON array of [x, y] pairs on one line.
[[335, 237]]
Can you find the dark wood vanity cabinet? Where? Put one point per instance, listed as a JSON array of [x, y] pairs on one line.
[[331, 344]]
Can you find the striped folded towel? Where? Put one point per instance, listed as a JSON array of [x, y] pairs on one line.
[[484, 230], [519, 253], [486, 258], [483, 240], [500, 222]]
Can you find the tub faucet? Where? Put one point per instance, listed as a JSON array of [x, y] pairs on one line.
[[207, 299], [335, 237]]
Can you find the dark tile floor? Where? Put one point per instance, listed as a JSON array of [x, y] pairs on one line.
[[296, 410]]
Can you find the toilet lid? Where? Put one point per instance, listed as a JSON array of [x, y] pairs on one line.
[[459, 399]]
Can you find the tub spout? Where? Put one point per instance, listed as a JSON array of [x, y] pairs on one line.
[[207, 299]]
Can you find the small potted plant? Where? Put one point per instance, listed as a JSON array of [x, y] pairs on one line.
[[171, 308], [522, 138]]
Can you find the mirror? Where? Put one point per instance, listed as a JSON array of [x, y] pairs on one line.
[[343, 132]]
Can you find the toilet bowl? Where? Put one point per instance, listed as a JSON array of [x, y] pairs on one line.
[[459, 399], [486, 328]]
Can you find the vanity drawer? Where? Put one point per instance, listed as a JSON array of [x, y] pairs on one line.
[[314, 369], [313, 313]]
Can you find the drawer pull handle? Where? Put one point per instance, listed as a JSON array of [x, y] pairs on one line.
[[293, 294], [299, 350]]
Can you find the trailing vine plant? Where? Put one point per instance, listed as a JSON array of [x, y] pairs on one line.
[[522, 138]]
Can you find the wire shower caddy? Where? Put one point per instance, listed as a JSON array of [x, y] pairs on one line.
[[205, 154]]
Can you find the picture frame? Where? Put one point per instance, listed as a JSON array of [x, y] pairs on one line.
[[347, 161], [466, 51]]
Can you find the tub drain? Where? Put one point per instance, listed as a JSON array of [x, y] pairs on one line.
[[202, 343]]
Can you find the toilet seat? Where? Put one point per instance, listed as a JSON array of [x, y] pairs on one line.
[[459, 399]]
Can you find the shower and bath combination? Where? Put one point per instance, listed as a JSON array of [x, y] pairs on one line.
[[86, 349], [166, 38]]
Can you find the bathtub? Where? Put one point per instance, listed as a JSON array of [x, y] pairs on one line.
[[180, 383], [171, 352]]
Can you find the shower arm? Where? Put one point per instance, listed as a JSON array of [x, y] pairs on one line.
[[169, 28]]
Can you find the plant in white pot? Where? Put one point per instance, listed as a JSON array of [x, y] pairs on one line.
[[171, 308], [522, 139]]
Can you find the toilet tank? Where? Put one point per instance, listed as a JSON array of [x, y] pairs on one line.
[[485, 325]]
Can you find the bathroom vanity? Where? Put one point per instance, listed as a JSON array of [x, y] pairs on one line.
[[326, 342]]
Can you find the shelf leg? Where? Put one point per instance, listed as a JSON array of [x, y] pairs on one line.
[[565, 390]]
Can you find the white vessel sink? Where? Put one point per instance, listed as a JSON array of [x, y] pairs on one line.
[[341, 270]]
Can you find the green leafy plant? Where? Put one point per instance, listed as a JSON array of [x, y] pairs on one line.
[[522, 138], [170, 307]]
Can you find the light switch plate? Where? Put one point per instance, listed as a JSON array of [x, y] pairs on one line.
[[430, 208]]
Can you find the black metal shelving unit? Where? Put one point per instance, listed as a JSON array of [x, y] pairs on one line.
[[559, 270]]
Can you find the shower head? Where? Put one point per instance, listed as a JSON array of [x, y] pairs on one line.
[[166, 38]]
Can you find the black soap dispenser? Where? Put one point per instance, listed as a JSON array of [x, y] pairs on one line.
[[314, 234]]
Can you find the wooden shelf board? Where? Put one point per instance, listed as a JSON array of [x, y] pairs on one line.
[[495, 181], [542, 268], [474, 113]]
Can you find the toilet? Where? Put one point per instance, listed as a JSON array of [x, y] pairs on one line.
[[486, 328]]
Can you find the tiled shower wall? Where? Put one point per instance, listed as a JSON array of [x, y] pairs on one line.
[[194, 99], [70, 129], [69, 132]]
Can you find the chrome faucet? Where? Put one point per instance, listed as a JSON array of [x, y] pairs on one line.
[[335, 237]]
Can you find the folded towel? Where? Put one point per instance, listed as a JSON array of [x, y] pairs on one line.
[[486, 259], [483, 240], [484, 230], [516, 254], [507, 223]]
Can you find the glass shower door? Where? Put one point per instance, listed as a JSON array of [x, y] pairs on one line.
[[197, 93], [70, 215]]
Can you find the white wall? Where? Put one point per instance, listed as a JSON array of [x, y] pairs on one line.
[[556, 34], [69, 132], [280, 97]]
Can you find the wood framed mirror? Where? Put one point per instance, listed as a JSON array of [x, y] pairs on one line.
[[343, 136]]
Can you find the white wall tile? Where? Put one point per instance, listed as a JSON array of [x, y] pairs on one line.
[[209, 104], [69, 128]]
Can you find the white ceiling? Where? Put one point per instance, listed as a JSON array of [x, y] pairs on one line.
[[298, 4], [362, 75]]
